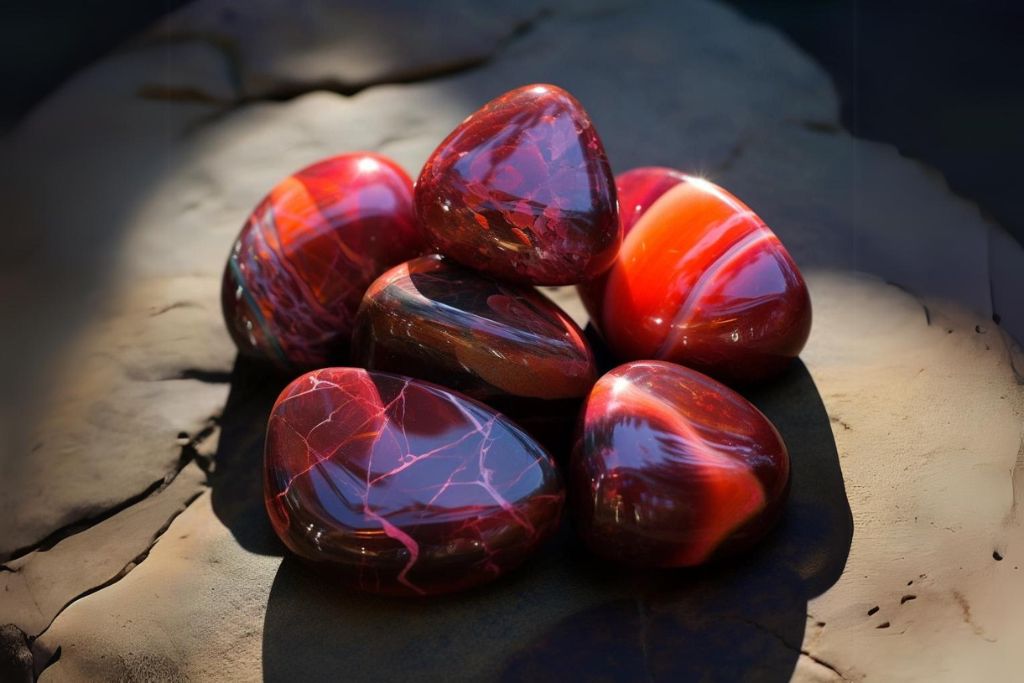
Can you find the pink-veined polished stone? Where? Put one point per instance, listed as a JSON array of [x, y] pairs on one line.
[[673, 469], [522, 191], [402, 487], [700, 280], [305, 256]]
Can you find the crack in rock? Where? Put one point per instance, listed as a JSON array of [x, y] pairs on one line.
[[821, 662], [173, 306], [201, 375], [789, 646], [287, 91], [915, 296], [129, 566], [189, 452]]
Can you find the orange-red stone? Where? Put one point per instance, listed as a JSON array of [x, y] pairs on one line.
[[307, 253], [700, 280], [522, 191], [673, 469]]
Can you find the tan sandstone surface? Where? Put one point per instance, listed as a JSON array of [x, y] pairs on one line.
[[131, 526]]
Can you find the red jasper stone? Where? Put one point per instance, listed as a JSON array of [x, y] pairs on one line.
[[700, 280], [305, 256], [672, 469], [522, 191], [504, 344], [401, 487]]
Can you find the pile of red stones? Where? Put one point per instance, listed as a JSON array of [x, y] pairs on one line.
[[417, 468]]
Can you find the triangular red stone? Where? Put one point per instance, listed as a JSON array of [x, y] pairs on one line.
[[522, 191]]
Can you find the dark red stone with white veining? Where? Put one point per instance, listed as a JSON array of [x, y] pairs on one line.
[[305, 256], [672, 469], [403, 487], [700, 280], [504, 344], [522, 191]]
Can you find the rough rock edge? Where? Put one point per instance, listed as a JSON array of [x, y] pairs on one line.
[[132, 563], [285, 90], [289, 90], [189, 453], [803, 652], [52, 656]]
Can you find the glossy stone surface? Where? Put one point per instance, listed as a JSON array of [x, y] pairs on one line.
[[672, 469], [402, 487], [305, 256], [700, 280], [522, 191], [507, 345]]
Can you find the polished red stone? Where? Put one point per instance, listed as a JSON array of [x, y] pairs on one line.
[[305, 256], [700, 280], [504, 344], [522, 191], [673, 469], [402, 487]]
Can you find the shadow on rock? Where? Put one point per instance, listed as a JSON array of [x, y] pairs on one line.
[[566, 616], [237, 478]]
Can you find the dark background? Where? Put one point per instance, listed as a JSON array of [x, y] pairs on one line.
[[943, 80]]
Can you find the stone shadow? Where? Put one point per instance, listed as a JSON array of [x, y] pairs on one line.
[[237, 475], [566, 616]]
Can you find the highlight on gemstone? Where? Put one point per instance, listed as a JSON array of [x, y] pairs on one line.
[[522, 191], [673, 469], [402, 487], [700, 280], [308, 251]]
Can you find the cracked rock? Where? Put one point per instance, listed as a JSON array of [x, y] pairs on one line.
[[108, 426], [41, 583], [346, 46], [128, 185]]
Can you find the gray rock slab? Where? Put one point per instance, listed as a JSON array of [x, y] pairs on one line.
[[127, 186], [37, 586]]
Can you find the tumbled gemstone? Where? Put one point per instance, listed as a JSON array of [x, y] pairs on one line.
[[402, 487], [672, 469], [522, 191], [504, 344], [700, 280], [305, 256]]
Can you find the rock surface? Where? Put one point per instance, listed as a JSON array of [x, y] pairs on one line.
[[128, 185], [41, 583]]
